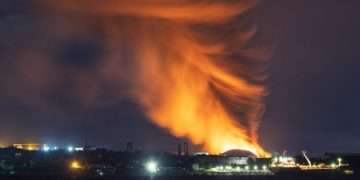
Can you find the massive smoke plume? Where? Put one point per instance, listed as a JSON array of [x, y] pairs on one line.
[[195, 66]]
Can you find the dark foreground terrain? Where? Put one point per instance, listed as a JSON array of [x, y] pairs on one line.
[[275, 177]]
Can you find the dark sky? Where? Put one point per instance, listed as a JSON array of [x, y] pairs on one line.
[[313, 84]]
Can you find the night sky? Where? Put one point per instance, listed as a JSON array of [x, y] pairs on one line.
[[313, 102]]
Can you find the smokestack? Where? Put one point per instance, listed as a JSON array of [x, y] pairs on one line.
[[179, 150], [186, 149], [129, 147]]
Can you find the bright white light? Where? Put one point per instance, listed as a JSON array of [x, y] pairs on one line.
[[151, 167], [46, 148], [79, 149], [264, 167], [333, 165], [246, 167], [339, 161], [75, 165], [55, 148], [70, 149], [255, 167]]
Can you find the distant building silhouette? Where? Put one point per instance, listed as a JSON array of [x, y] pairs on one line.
[[179, 149], [186, 149], [129, 147]]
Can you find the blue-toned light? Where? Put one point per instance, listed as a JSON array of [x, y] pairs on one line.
[[70, 149], [46, 148], [152, 167]]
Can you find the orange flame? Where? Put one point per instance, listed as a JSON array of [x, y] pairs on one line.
[[185, 77]]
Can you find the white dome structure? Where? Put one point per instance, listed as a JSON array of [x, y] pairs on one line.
[[239, 153]]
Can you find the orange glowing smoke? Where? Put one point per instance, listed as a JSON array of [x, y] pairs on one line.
[[192, 65]]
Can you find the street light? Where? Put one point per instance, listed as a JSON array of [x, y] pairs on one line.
[[46, 148], [151, 167], [264, 167], [75, 165], [70, 149], [339, 161], [333, 165]]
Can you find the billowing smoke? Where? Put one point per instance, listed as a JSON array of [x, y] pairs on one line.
[[195, 66]]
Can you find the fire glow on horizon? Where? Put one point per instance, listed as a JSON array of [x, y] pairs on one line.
[[192, 65]]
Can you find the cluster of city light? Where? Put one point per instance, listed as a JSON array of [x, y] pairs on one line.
[[70, 149], [238, 168], [28, 147], [338, 164], [47, 148], [283, 161]]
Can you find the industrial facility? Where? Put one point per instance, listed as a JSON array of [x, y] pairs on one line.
[[25, 159]]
